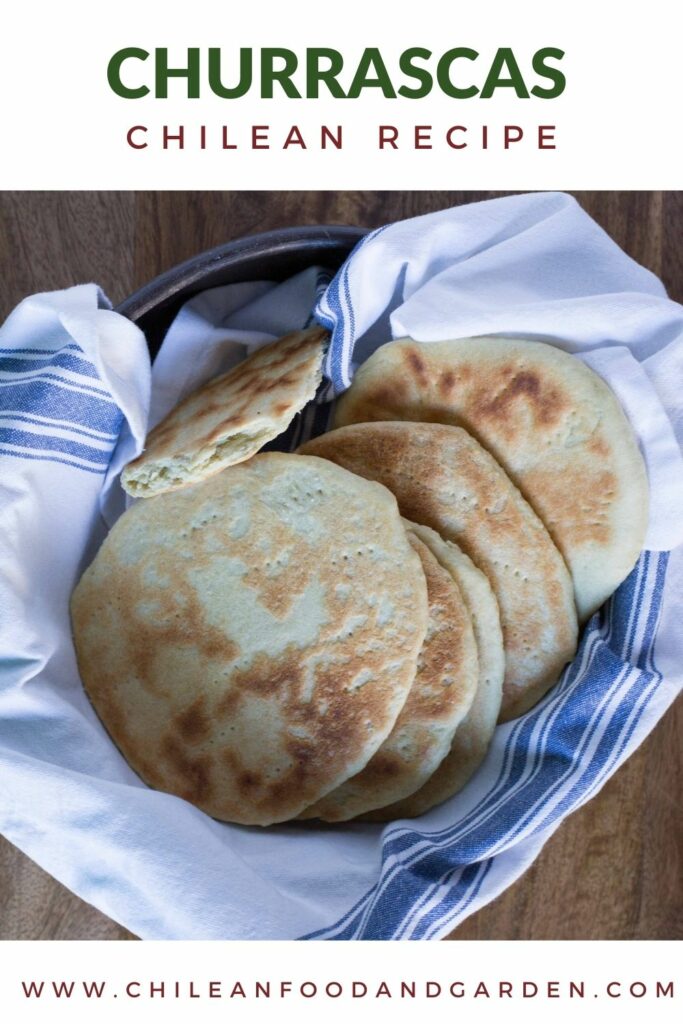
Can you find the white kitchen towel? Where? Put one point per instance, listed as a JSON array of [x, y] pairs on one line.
[[74, 378], [530, 266]]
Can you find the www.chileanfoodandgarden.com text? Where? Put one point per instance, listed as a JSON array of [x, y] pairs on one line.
[[79, 989]]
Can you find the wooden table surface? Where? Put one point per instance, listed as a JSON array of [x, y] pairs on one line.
[[613, 870]]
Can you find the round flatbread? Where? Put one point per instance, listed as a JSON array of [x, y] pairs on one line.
[[443, 478], [250, 641], [439, 699], [231, 418], [554, 426], [473, 737]]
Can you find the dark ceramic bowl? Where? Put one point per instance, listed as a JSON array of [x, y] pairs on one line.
[[270, 256]]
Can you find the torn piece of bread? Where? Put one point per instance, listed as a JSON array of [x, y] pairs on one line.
[[229, 419]]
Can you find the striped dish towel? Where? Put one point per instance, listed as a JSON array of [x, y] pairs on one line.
[[74, 403], [564, 281], [540, 769], [53, 408], [61, 399]]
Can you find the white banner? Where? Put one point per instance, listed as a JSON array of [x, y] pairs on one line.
[[613, 125], [272, 981]]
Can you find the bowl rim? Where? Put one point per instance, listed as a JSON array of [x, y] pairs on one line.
[[183, 276]]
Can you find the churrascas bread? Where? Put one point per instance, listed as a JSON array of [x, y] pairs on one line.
[[439, 699], [473, 736], [443, 478], [229, 419], [249, 642], [553, 424]]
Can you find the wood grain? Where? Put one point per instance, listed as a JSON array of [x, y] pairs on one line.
[[613, 870]]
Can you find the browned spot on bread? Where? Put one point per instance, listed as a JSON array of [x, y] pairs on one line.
[[385, 765], [446, 382], [208, 410], [580, 514], [337, 721], [177, 623], [192, 775], [229, 421], [544, 402], [158, 435], [286, 378], [268, 678], [299, 775], [249, 781], [228, 703], [232, 761], [268, 584], [303, 754], [599, 446], [417, 365], [194, 724], [381, 396]]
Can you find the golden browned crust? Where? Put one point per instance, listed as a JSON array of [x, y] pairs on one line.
[[230, 418], [247, 647], [473, 736], [549, 420], [444, 479], [440, 697]]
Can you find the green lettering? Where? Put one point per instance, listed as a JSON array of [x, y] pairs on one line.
[[232, 92], [443, 73], [554, 74], [162, 73], [371, 60], [283, 76], [504, 60], [328, 76], [114, 73], [407, 65]]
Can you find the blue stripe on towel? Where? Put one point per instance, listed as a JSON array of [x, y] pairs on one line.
[[56, 424], [58, 360], [335, 312], [54, 401], [47, 442], [60, 413], [44, 375], [554, 759], [46, 458]]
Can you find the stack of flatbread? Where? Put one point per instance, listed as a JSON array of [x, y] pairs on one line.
[[335, 633]]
